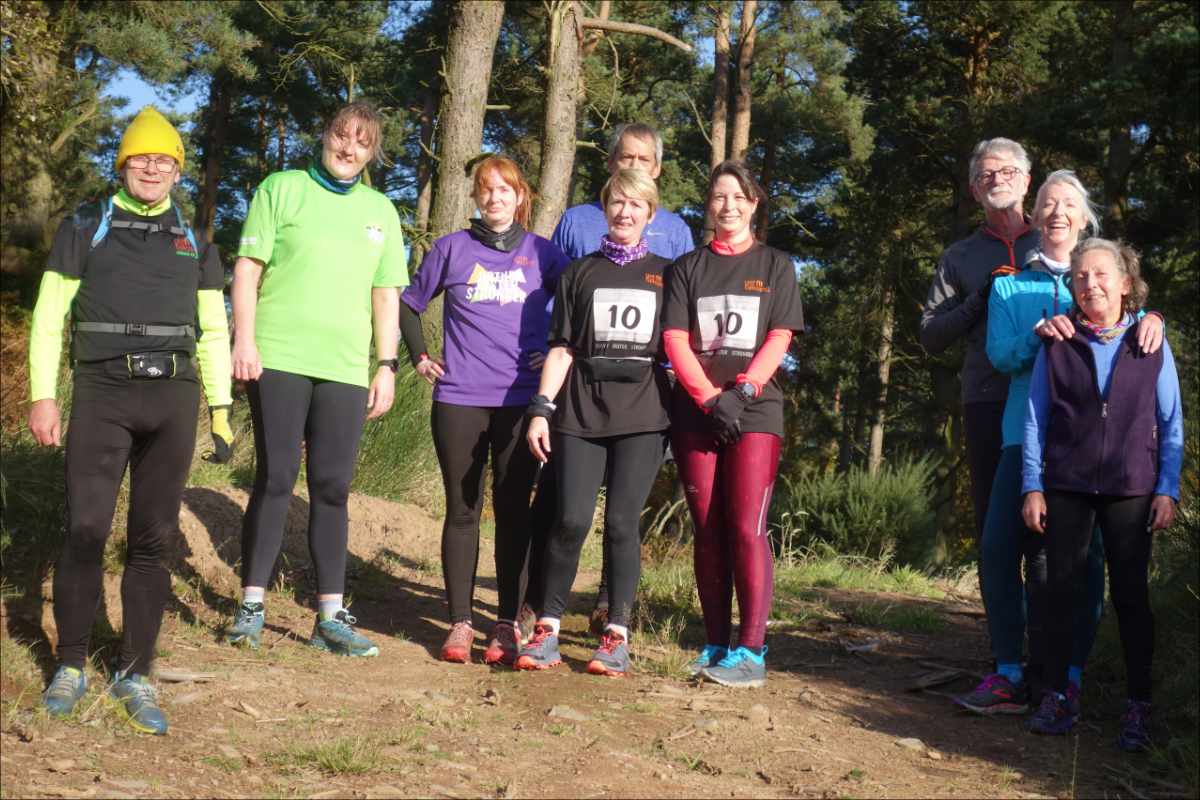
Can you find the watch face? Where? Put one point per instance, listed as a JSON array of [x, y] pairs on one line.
[[747, 390]]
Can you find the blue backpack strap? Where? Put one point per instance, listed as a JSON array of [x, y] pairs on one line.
[[187, 229], [106, 211]]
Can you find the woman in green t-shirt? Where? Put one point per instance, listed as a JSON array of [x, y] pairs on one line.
[[331, 258]]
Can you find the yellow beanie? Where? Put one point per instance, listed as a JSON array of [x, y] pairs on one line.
[[150, 133]]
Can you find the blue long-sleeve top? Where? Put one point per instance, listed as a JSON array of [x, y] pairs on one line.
[[1167, 404]]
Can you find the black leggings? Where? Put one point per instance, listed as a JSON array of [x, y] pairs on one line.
[[327, 417], [149, 425], [1070, 517], [632, 462], [464, 437]]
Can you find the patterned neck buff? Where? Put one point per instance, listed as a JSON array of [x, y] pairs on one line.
[[622, 254], [318, 173], [1101, 333]]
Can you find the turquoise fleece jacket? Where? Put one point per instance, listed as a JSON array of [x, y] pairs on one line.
[[1017, 303]]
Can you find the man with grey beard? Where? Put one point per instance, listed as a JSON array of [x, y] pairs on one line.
[[956, 308]]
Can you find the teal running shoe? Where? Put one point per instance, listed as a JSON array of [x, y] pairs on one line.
[[136, 700], [247, 626], [338, 636], [709, 656], [740, 669], [65, 690]]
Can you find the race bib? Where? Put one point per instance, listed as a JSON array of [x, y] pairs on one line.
[[623, 315], [728, 321]]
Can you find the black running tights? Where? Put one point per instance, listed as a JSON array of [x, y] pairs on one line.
[[632, 461], [465, 437], [149, 425], [327, 418], [1070, 518]]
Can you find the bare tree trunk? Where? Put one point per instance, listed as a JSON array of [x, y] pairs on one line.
[[720, 109], [740, 141], [474, 29], [424, 176], [216, 129], [720, 112], [884, 362], [558, 137], [280, 144]]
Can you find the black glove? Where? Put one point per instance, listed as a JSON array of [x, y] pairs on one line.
[[724, 415], [222, 436]]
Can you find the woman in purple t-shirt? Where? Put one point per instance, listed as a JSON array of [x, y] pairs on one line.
[[497, 279]]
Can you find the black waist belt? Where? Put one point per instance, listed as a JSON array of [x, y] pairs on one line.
[[135, 329], [618, 370]]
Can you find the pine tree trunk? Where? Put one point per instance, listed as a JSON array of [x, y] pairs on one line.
[[216, 130], [740, 141], [720, 109], [1120, 138], [558, 138], [424, 177], [474, 29], [883, 375]]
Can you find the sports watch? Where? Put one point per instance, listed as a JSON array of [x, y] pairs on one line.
[[747, 389], [392, 363]]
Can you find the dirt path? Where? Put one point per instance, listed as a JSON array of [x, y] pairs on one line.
[[288, 722]]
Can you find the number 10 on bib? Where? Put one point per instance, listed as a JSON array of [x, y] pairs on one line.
[[727, 322], [623, 315]]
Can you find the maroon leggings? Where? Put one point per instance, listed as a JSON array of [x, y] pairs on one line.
[[728, 491]]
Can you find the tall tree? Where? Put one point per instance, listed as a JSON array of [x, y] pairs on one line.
[[739, 141], [474, 28]]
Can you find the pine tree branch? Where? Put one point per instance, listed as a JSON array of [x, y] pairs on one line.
[[634, 27]]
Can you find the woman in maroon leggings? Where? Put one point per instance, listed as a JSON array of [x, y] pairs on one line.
[[729, 312]]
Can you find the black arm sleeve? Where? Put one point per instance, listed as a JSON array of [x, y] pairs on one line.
[[410, 331]]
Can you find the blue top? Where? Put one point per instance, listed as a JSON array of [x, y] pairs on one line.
[[579, 231], [1169, 411], [1016, 304]]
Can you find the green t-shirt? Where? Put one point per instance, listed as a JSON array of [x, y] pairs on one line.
[[323, 253]]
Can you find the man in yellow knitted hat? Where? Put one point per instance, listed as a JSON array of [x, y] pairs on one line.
[[145, 302]]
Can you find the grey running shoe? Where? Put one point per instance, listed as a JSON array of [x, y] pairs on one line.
[[65, 690], [137, 701], [541, 652], [996, 694], [247, 626], [611, 657], [741, 669], [709, 656], [338, 636]]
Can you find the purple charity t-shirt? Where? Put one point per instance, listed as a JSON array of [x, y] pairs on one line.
[[494, 315]]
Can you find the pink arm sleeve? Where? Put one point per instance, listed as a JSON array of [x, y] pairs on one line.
[[687, 367], [768, 358]]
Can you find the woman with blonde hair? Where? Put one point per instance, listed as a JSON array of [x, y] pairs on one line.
[[497, 279], [609, 419]]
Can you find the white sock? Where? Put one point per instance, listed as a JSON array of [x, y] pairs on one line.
[[253, 594], [550, 621], [620, 630], [328, 608]]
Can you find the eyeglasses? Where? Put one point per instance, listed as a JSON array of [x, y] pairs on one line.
[[162, 163], [1004, 173]]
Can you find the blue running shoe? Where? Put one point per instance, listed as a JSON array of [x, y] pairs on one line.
[[740, 668], [338, 636], [540, 652], [137, 701], [996, 694], [65, 690], [709, 656], [611, 657], [1053, 717], [1135, 727], [247, 626]]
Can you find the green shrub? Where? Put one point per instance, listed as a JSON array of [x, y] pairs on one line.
[[395, 457], [883, 516]]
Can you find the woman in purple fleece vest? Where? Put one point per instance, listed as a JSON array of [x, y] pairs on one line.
[[1103, 444]]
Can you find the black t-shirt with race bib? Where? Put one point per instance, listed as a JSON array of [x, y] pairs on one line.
[[608, 315], [728, 304], [133, 276]]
